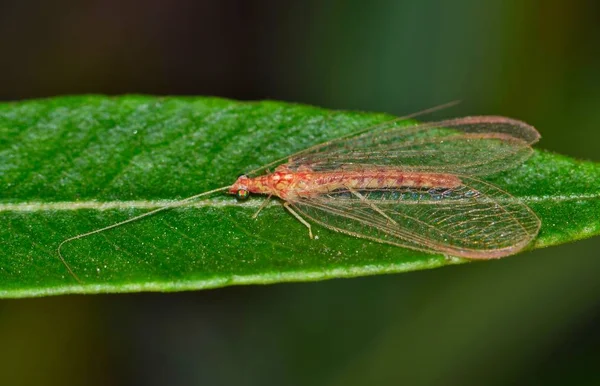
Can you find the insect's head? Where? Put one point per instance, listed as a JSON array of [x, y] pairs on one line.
[[240, 188]]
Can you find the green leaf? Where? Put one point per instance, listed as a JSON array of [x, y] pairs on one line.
[[70, 165]]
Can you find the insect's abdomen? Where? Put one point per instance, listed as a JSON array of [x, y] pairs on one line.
[[327, 182]]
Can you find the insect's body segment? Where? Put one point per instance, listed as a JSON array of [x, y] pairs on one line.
[[291, 185]]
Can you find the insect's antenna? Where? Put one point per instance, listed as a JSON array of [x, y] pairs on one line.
[[172, 205], [432, 109], [375, 126], [403, 118]]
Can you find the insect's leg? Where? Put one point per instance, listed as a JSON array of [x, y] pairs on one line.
[[373, 206], [287, 206], [261, 207]]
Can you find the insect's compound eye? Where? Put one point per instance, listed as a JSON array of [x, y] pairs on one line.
[[242, 194]]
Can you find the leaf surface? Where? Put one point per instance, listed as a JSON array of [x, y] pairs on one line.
[[70, 165]]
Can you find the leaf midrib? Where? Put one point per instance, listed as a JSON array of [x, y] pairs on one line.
[[38, 206]]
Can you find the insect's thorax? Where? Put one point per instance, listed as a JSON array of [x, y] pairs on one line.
[[289, 184]]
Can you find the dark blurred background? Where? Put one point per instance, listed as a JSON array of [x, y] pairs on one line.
[[529, 319]]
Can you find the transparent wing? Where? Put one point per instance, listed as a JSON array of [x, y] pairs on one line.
[[470, 145], [476, 220]]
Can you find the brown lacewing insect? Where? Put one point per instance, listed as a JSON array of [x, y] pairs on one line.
[[415, 186]]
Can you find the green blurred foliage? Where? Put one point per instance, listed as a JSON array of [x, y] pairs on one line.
[[527, 319]]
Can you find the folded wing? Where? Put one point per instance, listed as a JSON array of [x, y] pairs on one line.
[[476, 220], [470, 145]]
